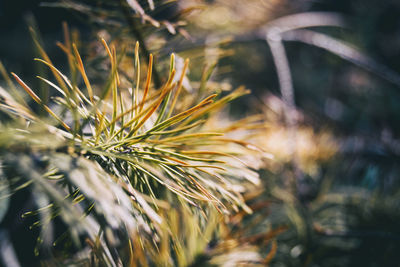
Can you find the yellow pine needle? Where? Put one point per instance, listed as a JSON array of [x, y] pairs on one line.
[[212, 198], [184, 114], [39, 101], [189, 136], [107, 49], [148, 80], [67, 50], [147, 116], [241, 143], [220, 103], [202, 166], [164, 105], [179, 87], [18, 110], [56, 71], [186, 157], [65, 81], [27, 89], [181, 163], [52, 85], [179, 129], [159, 177], [121, 103], [109, 53], [133, 120], [132, 262], [167, 88], [113, 59], [62, 91], [100, 127], [133, 108], [11, 85], [201, 152], [47, 59], [114, 91], [213, 153], [66, 33], [135, 101], [172, 63], [64, 49], [176, 160], [137, 138], [59, 74], [81, 69], [11, 104], [114, 53], [182, 192]]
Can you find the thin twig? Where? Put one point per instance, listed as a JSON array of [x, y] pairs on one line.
[[286, 86], [343, 50]]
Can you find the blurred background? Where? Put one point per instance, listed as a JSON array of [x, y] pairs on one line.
[[335, 177]]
